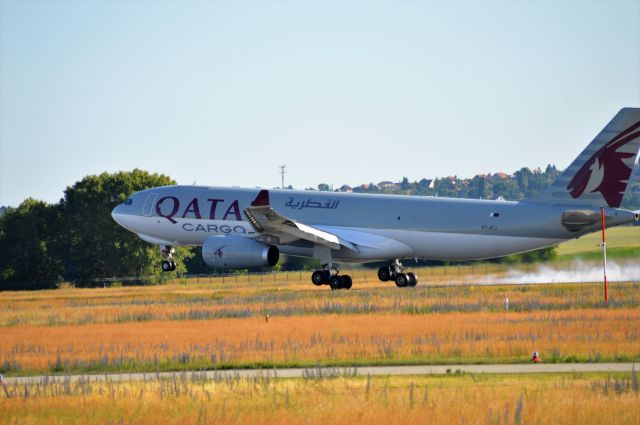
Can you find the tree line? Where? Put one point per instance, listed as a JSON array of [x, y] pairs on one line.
[[524, 183], [76, 240]]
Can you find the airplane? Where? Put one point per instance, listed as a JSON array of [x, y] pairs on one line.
[[242, 228]]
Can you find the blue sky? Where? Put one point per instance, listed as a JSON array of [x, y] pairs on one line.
[[221, 93]]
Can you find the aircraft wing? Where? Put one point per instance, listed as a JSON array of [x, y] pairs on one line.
[[268, 220]]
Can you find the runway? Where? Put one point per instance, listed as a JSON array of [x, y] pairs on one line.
[[327, 372]]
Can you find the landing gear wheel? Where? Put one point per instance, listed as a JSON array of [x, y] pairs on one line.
[[413, 279], [402, 280], [167, 252], [326, 275], [318, 278], [345, 281], [166, 266], [384, 273], [335, 283]]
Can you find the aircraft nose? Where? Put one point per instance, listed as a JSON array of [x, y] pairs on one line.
[[116, 214]]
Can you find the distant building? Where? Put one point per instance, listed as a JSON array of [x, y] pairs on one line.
[[346, 188], [503, 176], [385, 185], [365, 186], [427, 183]]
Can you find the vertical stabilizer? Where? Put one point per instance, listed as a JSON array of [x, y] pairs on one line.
[[599, 175]]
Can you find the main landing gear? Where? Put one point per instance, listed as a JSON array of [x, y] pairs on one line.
[[395, 272], [168, 265], [329, 276]]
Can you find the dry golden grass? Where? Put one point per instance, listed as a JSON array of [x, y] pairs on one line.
[[586, 334], [289, 298], [201, 325], [483, 399]]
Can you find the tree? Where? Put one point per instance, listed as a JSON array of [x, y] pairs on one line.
[[96, 246], [194, 263], [478, 188], [404, 184], [523, 176], [539, 255], [29, 246], [446, 187], [290, 263], [323, 187], [504, 188]]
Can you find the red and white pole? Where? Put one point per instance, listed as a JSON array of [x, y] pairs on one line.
[[604, 258]]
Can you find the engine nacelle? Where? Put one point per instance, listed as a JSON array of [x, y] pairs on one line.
[[238, 252]]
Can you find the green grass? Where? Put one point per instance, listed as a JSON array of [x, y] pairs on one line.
[[622, 242], [612, 253]]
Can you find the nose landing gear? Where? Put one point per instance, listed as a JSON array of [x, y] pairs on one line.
[[168, 265]]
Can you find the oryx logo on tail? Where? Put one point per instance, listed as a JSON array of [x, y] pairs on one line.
[[608, 170]]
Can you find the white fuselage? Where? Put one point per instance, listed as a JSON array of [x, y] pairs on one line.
[[381, 226]]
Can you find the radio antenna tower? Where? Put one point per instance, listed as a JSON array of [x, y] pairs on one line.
[[282, 171]]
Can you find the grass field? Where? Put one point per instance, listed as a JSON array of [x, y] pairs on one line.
[[586, 335], [201, 326], [456, 399], [216, 323], [622, 242]]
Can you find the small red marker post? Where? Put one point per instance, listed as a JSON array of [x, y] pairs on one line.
[[604, 258]]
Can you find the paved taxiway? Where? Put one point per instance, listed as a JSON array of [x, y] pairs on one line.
[[349, 371]]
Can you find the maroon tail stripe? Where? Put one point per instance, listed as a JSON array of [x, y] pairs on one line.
[[262, 199], [625, 132]]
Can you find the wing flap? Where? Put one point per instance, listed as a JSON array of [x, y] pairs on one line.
[[267, 220]]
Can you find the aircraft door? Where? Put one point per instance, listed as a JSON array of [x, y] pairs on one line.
[[147, 209]]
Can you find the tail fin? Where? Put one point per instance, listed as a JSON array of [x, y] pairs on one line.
[[599, 175]]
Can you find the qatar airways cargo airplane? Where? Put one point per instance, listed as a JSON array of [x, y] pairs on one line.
[[240, 228]]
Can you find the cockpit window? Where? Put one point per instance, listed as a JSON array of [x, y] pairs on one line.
[[128, 201]]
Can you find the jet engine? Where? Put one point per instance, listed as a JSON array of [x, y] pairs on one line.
[[238, 252]]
